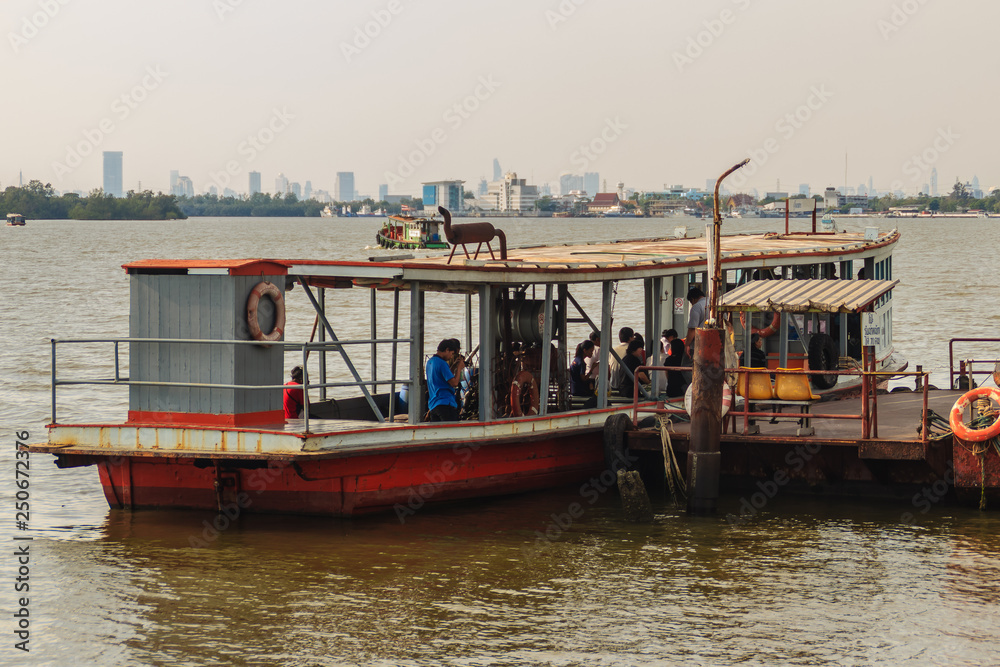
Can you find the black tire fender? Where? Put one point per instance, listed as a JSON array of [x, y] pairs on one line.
[[616, 453], [823, 356]]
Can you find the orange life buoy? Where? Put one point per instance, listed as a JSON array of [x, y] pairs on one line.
[[271, 290], [770, 329], [958, 426], [524, 382]]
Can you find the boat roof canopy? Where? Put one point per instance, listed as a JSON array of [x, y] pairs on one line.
[[805, 296]]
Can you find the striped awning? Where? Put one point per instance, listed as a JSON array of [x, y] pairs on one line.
[[805, 296]]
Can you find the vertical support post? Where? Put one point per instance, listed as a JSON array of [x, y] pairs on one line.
[[415, 397], [680, 290], [786, 216], [865, 419], [747, 335], [543, 385], [117, 365], [873, 385], [783, 341], [814, 219], [305, 385], [321, 298], [606, 343], [562, 298], [655, 327], [53, 341], [704, 457], [374, 330], [395, 352], [920, 378], [468, 323], [487, 336]]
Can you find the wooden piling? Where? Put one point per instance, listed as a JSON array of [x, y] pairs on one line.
[[703, 461]]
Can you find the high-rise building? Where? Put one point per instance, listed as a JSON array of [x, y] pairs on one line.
[[113, 173], [174, 175], [296, 189], [934, 182], [185, 188], [591, 183], [254, 182], [449, 194], [512, 194], [570, 182], [483, 188], [804, 189], [497, 174], [307, 193], [281, 184], [343, 186], [383, 191]]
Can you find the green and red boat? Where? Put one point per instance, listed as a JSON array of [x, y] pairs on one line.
[[403, 231]]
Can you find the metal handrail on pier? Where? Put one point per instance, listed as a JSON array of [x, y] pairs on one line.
[[965, 365], [868, 416]]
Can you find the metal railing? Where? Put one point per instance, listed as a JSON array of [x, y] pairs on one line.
[[965, 365], [306, 386], [869, 406]]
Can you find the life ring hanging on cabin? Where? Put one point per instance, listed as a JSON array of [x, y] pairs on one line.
[[770, 329], [958, 426], [524, 382], [269, 289]]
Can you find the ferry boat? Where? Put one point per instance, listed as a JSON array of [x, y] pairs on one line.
[[15, 220], [407, 232], [205, 426]]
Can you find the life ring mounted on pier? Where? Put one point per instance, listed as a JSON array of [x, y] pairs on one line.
[[524, 395], [266, 288], [958, 426]]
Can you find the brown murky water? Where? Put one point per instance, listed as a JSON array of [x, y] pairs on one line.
[[505, 581]]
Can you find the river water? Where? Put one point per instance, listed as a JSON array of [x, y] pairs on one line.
[[506, 581]]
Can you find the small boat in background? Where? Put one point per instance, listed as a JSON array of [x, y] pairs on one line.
[[15, 220], [403, 231]]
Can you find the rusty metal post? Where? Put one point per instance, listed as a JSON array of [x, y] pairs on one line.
[[704, 457], [920, 377], [864, 393], [814, 219], [786, 217]]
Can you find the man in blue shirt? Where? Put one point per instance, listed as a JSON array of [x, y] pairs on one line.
[[442, 381]]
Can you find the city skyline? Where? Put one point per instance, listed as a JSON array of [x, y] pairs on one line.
[[702, 87]]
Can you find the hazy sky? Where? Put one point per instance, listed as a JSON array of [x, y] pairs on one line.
[[647, 92]]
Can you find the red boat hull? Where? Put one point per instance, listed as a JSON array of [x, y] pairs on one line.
[[400, 480]]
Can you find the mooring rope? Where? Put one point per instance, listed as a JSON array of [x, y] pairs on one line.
[[671, 468]]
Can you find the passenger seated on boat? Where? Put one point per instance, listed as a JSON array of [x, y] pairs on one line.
[[625, 336], [676, 385], [632, 361], [594, 360], [294, 399], [580, 384], [442, 382], [758, 359]]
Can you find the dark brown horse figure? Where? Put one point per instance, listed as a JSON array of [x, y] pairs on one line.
[[472, 232]]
